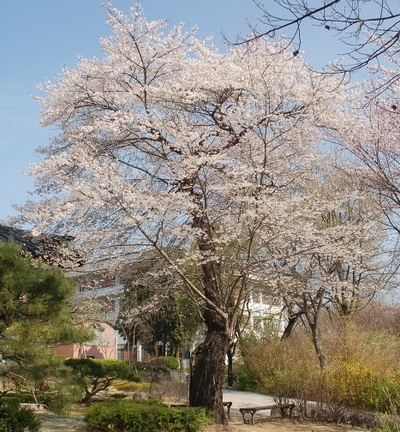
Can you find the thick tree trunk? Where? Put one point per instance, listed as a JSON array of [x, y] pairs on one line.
[[207, 368], [207, 373]]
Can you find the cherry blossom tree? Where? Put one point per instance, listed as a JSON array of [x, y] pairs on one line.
[[207, 158]]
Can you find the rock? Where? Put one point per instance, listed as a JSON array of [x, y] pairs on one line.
[[140, 396]]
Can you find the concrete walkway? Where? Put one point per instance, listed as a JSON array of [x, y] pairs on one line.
[[53, 423], [241, 399]]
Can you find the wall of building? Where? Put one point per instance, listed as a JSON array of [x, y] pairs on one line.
[[103, 346]]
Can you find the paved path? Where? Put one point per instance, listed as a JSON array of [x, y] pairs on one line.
[[52, 423], [241, 399]]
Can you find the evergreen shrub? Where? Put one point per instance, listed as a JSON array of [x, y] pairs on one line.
[[246, 379], [167, 362], [143, 416], [16, 419]]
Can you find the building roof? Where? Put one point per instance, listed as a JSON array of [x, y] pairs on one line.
[[53, 249]]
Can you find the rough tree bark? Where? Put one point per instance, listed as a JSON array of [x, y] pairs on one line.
[[208, 359], [208, 370]]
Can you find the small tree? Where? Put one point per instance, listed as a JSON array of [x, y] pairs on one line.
[[94, 376], [35, 315]]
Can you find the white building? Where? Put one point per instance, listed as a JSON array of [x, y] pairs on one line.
[[264, 312], [266, 316]]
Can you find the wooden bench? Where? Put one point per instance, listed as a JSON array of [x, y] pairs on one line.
[[285, 409]]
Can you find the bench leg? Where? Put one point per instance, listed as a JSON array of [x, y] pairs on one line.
[[228, 410], [246, 420], [284, 411]]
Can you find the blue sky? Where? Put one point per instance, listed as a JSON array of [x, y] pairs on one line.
[[38, 38]]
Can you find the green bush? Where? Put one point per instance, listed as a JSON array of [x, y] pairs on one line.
[[11, 400], [389, 423], [16, 419], [22, 397], [171, 363], [143, 416], [388, 396], [130, 386], [246, 379]]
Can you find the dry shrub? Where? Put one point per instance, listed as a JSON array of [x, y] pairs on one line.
[[362, 370], [339, 413], [348, 343], [170, 391], [286, 366]]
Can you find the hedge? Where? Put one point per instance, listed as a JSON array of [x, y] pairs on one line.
[[143, 416]]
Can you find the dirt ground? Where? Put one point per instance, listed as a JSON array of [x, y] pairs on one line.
[[281, 425], [53, 423]]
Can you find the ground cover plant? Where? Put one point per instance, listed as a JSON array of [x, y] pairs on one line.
[[129, 386]]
